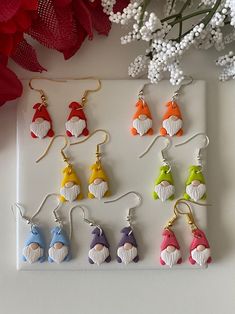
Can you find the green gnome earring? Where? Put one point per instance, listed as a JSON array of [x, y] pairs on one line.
[[195, 186], [164, 184]]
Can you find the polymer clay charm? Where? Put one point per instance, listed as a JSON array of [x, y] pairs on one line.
[[164, 185], [172, 122], [70, 185], [195, 184], [170, 249], [98, 182], [127, 248], [41, 125], [34, 248], [76, 124], [200, 252], [142, 119], [59, 250], [99, 248]]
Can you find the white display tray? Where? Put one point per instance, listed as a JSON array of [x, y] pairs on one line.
[[111, 109]]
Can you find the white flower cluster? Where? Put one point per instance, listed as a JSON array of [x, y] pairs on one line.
[[163, 54], [227, 62]]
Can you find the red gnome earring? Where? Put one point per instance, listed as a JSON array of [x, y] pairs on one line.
[[41, 125], [142, 119], [172, 122], [76, 124]]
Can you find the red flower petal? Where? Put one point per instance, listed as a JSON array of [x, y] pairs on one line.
[[120, 5], [100, 20], [83, 16], [25, 55], [8, 9], [8, 27], [24, 20], [10, 85], [31, 5], [6, 44]]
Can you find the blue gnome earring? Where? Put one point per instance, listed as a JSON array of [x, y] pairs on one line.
[[127, 251], [195, 185], [99, 247], [164, 184], [59, 248], [34, 246]]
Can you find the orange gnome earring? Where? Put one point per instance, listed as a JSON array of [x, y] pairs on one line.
[[172, 122], [142, 119], [98, 186]]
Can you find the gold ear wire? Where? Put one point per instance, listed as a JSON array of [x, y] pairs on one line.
[[65, 158], [105, 141]]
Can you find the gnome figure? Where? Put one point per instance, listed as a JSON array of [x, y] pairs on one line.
[[70, 186], [59, 250], [99, 248], [142, 120], [200, 252], [76, 124], [172, 120], [170, 249], [98, 182], [127, 247], [195, 185], [164, 186], [34, 249], [41, 125]]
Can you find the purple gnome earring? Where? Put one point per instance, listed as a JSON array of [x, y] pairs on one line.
[[127, 250], [99, 247]]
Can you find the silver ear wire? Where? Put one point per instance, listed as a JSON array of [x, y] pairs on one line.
[[91, 223], [129, 214], [178, 91], [20, 207], [199, 155]]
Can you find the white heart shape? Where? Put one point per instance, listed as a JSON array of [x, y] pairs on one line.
[[196, 192], [75, 127], [164, 192], [127, 256], [98, 190], [142, 126], [40, 129], [201, 257], [32, 255], [58, 255], [171, 125], [170, 258], [71, 193], [98, 257]]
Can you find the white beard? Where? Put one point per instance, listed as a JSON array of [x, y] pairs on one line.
[[201, 257], [164, 192], [40, 129], [127, 256], [98, 190], [70, 194], [58, 255], [196, 192], [98, 257], [31, 255], [142, 126], [172, 126], [170, 258], [75, 127]]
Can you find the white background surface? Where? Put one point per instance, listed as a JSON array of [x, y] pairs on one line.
[[179, 292], [112, 109]]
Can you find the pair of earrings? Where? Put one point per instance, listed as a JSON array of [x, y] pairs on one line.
[[200, 252], [98, 182], [76, 124], [195, 186], [172, 121]]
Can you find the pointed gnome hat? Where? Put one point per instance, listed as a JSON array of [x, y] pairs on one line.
[[195, 174], [172, 110], [127, 238], [169, 239], [142, 108], [199, 238], [99, 238], [97, 172], [165, 176], [59, 235], [35, 237], [77, 111], [70, 176], [41, 112]]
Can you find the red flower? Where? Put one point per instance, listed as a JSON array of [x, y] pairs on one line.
[[16, 17]]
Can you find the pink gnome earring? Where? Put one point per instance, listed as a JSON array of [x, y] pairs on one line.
[[76, 124], [127, 251]]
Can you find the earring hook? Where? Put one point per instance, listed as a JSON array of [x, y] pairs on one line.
[[105, 141], [91, 223], [198, 157], [129, 214], [66, 145], [178, 91]]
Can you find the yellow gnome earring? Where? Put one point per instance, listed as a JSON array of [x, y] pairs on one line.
[[98, 181], [70, 189]]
